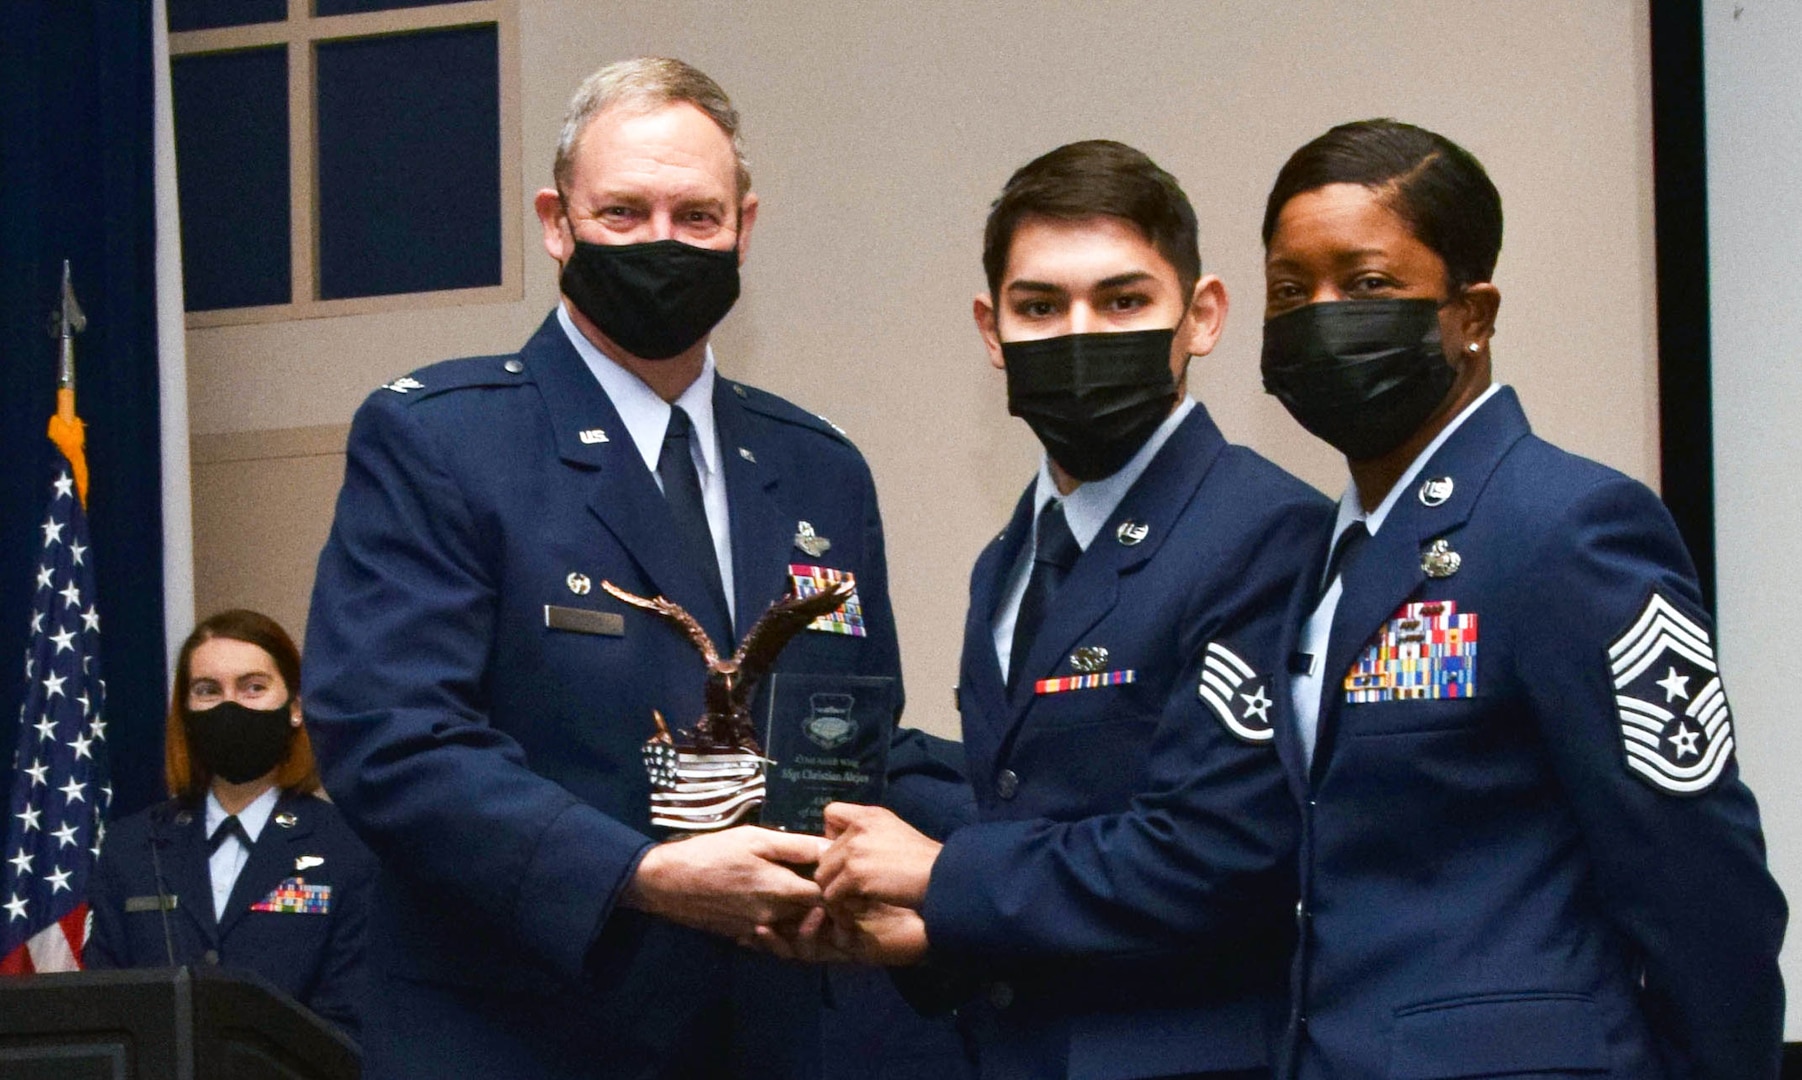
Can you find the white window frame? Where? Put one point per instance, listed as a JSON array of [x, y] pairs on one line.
[[301, 32]]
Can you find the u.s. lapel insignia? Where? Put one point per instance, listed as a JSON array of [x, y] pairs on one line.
[[1089, 659], [1426, 650], [1439, 560], [1434, 491], [404, 384], [1675, 724], [847, 618], [590, 436], [1130, 533], [578, 583], [1238, 694], [286, 820], [307, 862], [809, 541]]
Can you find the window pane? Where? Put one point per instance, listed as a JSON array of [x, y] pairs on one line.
[[209, 14], [231, 148], [352, 7], [409, 162]]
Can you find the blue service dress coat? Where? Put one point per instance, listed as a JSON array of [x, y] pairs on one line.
[[1534, 856], [494, 762], [297, 914], [1127, 894]]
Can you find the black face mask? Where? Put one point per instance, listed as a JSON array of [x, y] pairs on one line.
[[656, 299], [1092, 399], [1362, 375], [237, 743]]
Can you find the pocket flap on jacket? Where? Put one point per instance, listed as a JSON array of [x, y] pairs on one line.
[[1498, 1035]]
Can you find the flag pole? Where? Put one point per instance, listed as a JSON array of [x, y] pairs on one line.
[[66, 429]]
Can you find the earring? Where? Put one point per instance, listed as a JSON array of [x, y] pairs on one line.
[[1475, 347]]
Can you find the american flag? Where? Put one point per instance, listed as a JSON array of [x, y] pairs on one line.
[[61, 788]]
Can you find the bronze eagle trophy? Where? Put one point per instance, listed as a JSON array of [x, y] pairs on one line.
[[711, 775]]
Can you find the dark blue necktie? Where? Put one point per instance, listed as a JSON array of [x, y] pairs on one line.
[[231, 826], [1054, 553], [1345, 553], [682, 490]]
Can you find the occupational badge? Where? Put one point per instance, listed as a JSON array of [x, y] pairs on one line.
[[404, 384], [1239, 696], [1427, 650], [1675, 724], [1089, 659], [1439, 560], [809, 541], [805, 581]]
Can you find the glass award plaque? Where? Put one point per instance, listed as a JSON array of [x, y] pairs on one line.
[[827, 740]]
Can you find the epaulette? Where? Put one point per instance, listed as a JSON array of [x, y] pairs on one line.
[[767, 404], [473, 371]]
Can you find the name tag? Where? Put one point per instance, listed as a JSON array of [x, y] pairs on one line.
[[151, 903], [585, 621]]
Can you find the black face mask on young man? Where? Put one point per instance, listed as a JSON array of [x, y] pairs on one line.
[[1092, 399], [236, 742], [1362, 375], [655, 299]]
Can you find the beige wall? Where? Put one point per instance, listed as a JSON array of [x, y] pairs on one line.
[[879, 132]]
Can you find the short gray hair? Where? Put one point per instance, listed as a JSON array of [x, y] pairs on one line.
[[647, 82]]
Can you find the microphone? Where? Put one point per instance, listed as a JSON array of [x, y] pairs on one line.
[[162, 897]]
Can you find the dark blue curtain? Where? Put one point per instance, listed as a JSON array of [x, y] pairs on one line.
[[76, 146]]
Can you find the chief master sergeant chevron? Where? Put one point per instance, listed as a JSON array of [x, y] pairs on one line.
[[480, 704]]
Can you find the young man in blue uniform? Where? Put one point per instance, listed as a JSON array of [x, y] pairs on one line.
[[1118, 671], [481, 704], [1526, 847]]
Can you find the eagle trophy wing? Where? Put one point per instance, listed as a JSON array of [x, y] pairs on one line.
[[782, 621], [675, 613]]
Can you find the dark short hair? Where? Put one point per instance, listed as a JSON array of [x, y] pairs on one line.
[[1095, 178], [1429, 181], [188, 779]]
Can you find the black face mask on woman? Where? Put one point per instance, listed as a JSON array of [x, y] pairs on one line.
[[655, 299], [1092, 399], [237, 743], [1362, 375]]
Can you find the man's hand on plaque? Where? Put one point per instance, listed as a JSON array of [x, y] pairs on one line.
[[728, 882], [875, 856]]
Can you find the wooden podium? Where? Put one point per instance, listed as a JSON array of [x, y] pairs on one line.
[[164, 1024]]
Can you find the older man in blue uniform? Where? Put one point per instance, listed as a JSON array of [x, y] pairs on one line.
[[481, 704], [1123, 905]]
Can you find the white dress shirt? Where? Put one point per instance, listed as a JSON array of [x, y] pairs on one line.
[[224, 865], [646, 417], [1316, 633], [1086, 510]]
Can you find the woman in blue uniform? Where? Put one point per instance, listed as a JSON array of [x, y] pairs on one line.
[[246, 866], [1526, 846]]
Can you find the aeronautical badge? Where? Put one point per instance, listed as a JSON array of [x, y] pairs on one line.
[[1674, 718], [1427, 650], [404, 384], [295, 897], [1239, 696], [805, 581]]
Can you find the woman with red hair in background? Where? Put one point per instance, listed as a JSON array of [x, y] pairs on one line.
[[246, 866]]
